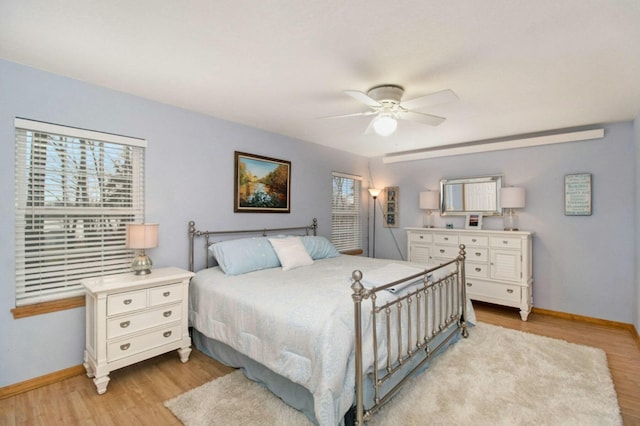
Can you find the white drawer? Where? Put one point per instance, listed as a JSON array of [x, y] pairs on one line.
[[509, 293], [475, 254], [445, 239], [126, 302], [126, 347], [474, 240], [478, 270], [165, 294], [505, 242], [446, 252], [132, 323], [420, 238]]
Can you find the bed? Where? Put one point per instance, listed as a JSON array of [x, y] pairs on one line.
[[332, 335]]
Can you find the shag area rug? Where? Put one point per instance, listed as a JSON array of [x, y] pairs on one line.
[[497, 376]]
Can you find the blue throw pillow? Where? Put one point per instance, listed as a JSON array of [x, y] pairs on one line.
[[244, 255], [319, 247]]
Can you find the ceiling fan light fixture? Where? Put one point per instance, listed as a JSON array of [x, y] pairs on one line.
[[385, 124]]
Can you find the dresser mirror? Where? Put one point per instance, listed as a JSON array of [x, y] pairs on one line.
[[475, 194]]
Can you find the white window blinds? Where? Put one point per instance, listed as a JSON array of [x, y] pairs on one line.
[[75, 192], [346, 233]]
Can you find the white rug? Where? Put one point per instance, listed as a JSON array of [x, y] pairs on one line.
[[495, 377]]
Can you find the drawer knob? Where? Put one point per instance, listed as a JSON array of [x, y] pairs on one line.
[[125, 346], [478, 269], [421, 237], [441, 250], [446, 238], [509, 290], [505, 242], [469, 284], [125, 324], [166, 333], [166, 293], [127, 301], [478, 254], [166, 314]]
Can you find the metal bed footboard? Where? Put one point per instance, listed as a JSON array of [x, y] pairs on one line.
[[407, 326]]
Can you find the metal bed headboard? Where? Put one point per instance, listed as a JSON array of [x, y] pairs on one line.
[[264, 231]]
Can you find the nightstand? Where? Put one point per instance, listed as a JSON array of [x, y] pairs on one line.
[[131, 318]]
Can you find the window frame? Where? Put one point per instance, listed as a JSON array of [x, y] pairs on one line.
[[346, 235], [44, 211]]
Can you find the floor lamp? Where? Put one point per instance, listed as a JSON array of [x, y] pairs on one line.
[[374, 193]]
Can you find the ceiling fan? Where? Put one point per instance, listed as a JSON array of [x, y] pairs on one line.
[[386, 104]]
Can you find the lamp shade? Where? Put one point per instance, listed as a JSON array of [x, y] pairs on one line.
[[142, 235], [512, 197], [429, 200], [374, 192]]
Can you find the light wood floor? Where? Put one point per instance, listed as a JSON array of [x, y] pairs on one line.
[[136, 393]]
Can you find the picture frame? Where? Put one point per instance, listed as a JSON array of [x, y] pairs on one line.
[[391, 199], [577, 194], [474, 220], [261, 184]]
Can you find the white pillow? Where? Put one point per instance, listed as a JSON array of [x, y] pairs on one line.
[[291, 252]]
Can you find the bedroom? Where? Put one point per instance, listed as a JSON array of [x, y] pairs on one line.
[[584, 266]]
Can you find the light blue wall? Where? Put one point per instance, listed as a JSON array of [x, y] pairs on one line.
[[189, 176], [581, 265]]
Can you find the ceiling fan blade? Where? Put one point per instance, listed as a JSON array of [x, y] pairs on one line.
[[431, 120], [436, 98], [369, 129], [355, 114], [363, 98]]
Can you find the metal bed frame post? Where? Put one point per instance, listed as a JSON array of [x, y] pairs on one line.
[[192, 234], [358, 295], [463, 291]]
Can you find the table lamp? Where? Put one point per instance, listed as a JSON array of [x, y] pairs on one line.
[[511, 198], [142, 236], [429, 200]]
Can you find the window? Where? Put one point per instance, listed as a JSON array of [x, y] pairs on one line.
[[75, 192], [346, 233]]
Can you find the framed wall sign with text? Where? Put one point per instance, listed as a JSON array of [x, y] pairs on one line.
[[577, 194]]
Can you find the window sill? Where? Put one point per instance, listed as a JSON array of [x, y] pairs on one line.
[[47, 307], [353, 252]]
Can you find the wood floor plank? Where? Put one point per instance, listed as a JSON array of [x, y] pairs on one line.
[[136, 393]]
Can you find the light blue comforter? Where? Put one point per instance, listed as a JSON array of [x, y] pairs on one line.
[[298, 323]]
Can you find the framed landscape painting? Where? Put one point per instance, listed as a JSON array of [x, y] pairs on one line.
[[262, 184]]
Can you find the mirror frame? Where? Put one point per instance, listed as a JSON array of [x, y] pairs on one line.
[[462, 181]]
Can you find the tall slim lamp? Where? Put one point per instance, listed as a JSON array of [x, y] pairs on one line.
[[374, 193], [142, 236], [511, 198], [429, 200]]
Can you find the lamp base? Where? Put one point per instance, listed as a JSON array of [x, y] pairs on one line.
[[427, 220], [141, 264], [510, 221]]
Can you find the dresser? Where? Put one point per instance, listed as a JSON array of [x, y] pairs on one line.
[[130, 318], [498, 264]]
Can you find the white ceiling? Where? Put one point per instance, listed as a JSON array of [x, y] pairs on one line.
[[517, 67]]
